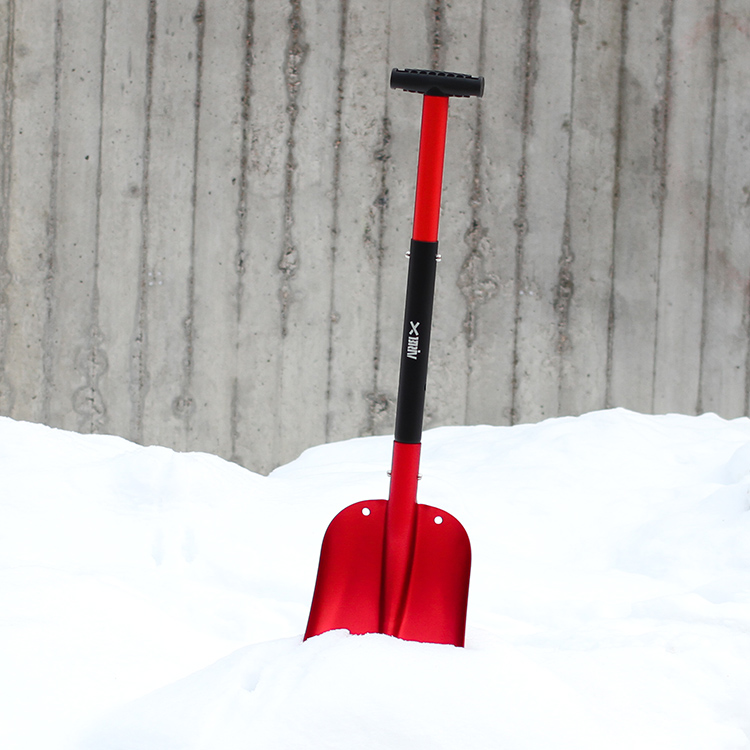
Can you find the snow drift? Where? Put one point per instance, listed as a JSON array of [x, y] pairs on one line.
[[152, 599]]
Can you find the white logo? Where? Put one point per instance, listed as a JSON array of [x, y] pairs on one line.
[[412, 341]]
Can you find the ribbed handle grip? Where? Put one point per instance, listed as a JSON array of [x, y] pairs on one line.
[[437, 82]]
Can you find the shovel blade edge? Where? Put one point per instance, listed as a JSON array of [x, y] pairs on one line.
[[348, 589]]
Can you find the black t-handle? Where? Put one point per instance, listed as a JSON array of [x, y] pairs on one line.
[[437, 82]]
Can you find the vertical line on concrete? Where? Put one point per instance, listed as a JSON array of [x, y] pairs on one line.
[[661, 151], [565, 285], [715, 57], [242, 198], [184, 404], [528, 66], [436, 29], [296, 53], [139, 349], [475, 283], [378, 401], [88, 401], [746, 325], [234, 422], [619, 128], [50, 257], [6, 160], [335, 189]]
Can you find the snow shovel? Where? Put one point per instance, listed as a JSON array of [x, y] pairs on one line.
[[398, 567]]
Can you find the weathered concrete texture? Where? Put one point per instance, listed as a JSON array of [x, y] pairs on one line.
[[488, 271], [687, 177], [7, 54], [726, 305], [541, 220], [205, 208]]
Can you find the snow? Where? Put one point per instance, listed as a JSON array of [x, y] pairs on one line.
[[156, 600]]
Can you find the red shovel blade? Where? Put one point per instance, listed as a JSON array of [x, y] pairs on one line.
[[348, 590]]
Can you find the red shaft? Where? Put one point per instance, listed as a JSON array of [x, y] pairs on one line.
[[401, 514], [400, 525], [430, 169]]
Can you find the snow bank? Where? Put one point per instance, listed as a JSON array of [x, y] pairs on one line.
[[156, 600]]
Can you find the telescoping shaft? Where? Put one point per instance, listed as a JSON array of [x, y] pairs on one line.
[[401, 517]]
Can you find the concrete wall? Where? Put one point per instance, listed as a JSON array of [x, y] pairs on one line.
[[205, 208]]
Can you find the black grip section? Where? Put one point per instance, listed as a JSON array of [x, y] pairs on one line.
[[415, 345], [437, 82]]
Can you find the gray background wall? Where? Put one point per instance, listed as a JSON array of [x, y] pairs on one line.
[[205, 208]]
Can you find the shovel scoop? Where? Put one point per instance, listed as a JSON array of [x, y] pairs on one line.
[[397, 566]]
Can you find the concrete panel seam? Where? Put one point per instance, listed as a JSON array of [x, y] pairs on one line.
[[476, 284], [661, 118], [335, 206], [528, 68], [242, 208], [715, 57], [619, 115], [50, 260], [296, 53], [565, 287], [139, 374], [88, 401], [183, 405], [377, 401], [436, 29], [6, 152]]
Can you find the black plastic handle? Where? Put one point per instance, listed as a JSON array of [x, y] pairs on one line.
[[415, 346], [437, 82]]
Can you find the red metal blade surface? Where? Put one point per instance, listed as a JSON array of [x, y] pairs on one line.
[[438, 590], [348, 590]]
